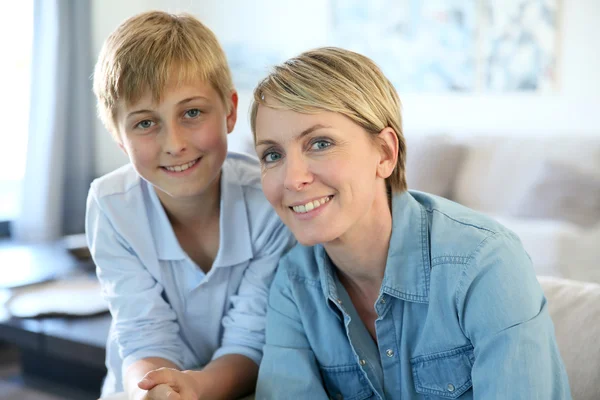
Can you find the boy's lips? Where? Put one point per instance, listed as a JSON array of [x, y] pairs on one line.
[[179, 168]]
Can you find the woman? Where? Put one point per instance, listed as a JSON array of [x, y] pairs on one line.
[[389, 294]]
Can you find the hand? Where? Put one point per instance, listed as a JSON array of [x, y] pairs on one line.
[[161, 392], [171, 384]]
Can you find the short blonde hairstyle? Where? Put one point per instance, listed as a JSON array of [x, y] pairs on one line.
[[149, 49], [341, 81]]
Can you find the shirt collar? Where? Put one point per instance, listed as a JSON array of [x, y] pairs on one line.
[[234, 238], [408, 264]]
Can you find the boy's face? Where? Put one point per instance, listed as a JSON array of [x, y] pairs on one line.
[[178, 144]]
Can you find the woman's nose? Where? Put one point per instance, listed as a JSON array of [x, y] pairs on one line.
[[297, 174]]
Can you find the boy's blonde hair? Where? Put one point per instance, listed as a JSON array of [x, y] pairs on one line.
[[148, 50], [340, 81]]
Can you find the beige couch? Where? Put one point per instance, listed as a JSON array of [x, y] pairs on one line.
[[575, 310], [546, 189]]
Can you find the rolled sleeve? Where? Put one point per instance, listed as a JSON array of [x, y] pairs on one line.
[[504, 313], [244, 323], [144, 324], [289, 368]]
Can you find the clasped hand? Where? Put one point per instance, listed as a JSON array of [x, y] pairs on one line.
[[171, 384]]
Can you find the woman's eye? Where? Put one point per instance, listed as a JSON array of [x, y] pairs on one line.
[[145, 124], [193, 113], [320, 145], [271, 157]]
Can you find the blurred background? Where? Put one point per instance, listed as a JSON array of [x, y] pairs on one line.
[[500, 106]]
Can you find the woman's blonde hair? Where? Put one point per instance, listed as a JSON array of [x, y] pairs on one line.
[[341, 81], [148, 50]]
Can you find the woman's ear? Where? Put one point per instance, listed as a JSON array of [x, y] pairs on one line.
[[388, 144]]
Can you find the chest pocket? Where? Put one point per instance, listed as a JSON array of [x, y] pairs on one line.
[[346, 382], [446, 374]]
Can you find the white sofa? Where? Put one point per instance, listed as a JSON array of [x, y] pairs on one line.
[[575, 310], [545, 189]]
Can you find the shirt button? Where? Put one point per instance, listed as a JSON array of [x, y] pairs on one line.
[[389, 352], [382, 301], [362, 362], [450, 387], [339, 301]]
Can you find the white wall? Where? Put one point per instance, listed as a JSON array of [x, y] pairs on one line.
[[299, 25]]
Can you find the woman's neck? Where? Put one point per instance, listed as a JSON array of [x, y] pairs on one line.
[[361, 254]]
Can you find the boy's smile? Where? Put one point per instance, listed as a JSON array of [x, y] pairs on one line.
[[178, 143]]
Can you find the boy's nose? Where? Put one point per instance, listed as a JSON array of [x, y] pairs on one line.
[[297, 173], [175, 142]]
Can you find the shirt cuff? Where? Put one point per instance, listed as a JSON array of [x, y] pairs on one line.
[[139, 355], [252, 354]]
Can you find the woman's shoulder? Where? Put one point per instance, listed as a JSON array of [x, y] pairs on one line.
[[301, 263], [457, 230]]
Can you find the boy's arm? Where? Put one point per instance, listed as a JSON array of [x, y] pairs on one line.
[[144, 324], [231, 376], [138, 370], [234, 369]]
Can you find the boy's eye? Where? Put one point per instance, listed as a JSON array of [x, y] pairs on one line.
[[320, 145], [145, 124], [193, 113], [271, 157]]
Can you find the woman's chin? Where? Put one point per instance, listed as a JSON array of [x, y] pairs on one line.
[[307, 239]]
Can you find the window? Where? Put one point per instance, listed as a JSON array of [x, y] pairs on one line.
[[14, 104]]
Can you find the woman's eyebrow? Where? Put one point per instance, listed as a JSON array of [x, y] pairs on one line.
[[305, 132]]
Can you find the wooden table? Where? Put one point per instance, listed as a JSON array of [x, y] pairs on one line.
[[69, 351]]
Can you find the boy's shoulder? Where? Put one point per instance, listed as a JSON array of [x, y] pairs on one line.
[[120, 181]]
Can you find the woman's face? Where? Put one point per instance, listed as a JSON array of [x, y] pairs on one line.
[[321, 172]]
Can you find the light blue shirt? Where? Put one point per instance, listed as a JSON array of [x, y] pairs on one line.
[[460, 316], [162, 303]]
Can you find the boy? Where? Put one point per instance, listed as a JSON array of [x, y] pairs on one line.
[[184, 241]]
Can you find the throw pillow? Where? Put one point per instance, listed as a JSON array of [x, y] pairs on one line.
[[562, 192]]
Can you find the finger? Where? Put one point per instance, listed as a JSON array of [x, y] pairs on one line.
[[162, 392], [157, 377]]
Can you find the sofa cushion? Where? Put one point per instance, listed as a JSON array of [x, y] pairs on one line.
[[432, 163], [497, 169], [562, 192], [575, 310]]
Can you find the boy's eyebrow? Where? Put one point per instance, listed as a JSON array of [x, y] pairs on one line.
[[131, 114], [180, 103], [192, 99], [305, 132]]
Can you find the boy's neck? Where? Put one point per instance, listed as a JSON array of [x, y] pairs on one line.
[[193, 211]]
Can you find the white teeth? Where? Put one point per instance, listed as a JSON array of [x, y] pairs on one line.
[[179, 168], [311, 205]]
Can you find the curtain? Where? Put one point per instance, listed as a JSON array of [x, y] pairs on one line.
[[60, 149]]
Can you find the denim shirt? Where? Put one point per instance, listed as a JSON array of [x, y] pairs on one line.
[[162, 304], [460, 316]]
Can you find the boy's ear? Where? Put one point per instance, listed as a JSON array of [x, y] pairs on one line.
[[122, 148], [388, 144], [232, 116]]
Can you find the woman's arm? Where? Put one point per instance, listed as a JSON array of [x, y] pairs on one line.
[[289, 369], [504, 313]]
